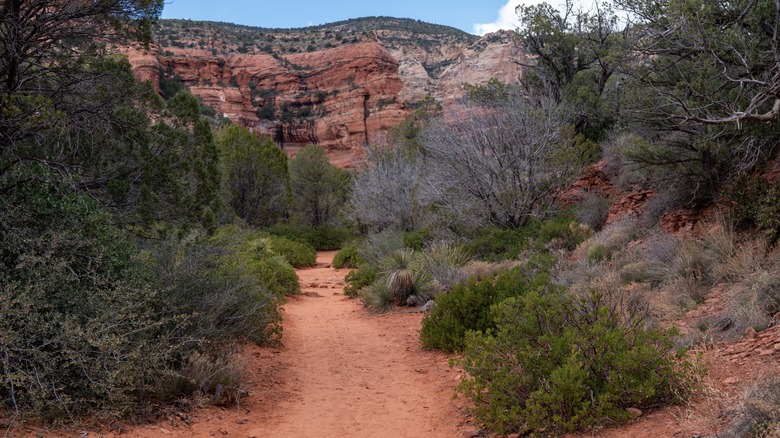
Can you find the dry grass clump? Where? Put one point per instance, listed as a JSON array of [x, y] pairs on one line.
[[611, 238], [759, 413], [482, 270], [748, 257], [752, 304], [218, 377], [444, 262], [593, 211]]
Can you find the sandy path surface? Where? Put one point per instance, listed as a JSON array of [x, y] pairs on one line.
[[342, 372]]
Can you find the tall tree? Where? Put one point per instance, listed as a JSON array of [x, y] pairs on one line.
[[575, 56], [706, 85], [318, 187], [256, 175]]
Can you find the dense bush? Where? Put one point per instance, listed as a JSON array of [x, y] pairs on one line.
[[322, 238], [556, 364], [467, 306], [298, 254], [359, 278], [495, 244], [347, 257], [271, 269], [94, 324], [756, 203]]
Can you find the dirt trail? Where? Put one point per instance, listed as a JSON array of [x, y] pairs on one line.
[[341, 373]]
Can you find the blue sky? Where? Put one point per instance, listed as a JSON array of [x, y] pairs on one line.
[[473, 16]]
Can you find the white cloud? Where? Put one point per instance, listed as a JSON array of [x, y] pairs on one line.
[[507, 17]]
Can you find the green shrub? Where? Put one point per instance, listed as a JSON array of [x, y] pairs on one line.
[[415, 240], [597, 253], [253, 252], [298, 254], [347, 257], [495, 244], [467, 306], [360, 278], [323, 238], [555, 364], [756, 203]]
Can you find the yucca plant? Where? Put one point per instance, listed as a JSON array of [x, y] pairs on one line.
[[377, 297], [396, 269], [444, 262]]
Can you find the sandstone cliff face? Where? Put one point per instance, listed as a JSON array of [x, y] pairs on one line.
[[343, 91], [495, 55], [342, 98], [144, 62]]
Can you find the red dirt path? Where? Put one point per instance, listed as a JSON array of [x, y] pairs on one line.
[[341, 373]]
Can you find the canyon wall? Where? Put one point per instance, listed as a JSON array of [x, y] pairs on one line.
[[342, 96]]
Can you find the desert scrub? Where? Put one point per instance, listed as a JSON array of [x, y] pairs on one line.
[[297, 253], [322, 238], [467, 306], [251, 250], [347, 257], [561, 231], [758, 414], [359, 278], [555, 364], [444, 262]]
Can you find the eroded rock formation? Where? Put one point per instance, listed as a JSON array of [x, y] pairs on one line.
[[341, 96]]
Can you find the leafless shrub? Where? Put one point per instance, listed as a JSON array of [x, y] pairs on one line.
[[663, 203], [504, 160], [394, 191], [751, 305], [377, 246]]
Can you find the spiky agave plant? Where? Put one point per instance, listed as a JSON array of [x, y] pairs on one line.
[[376, 297], [396, 269]]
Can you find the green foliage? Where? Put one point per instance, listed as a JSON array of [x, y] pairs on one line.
[[415, 240], [467, 306], [756, 203], [298, 254], [322, 238], [256, 176], [318, 187], [406, 134], [496, 244], [255, 254], [597, 253], [170, 87], [556, 364], [357, 279], [347, 257]]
